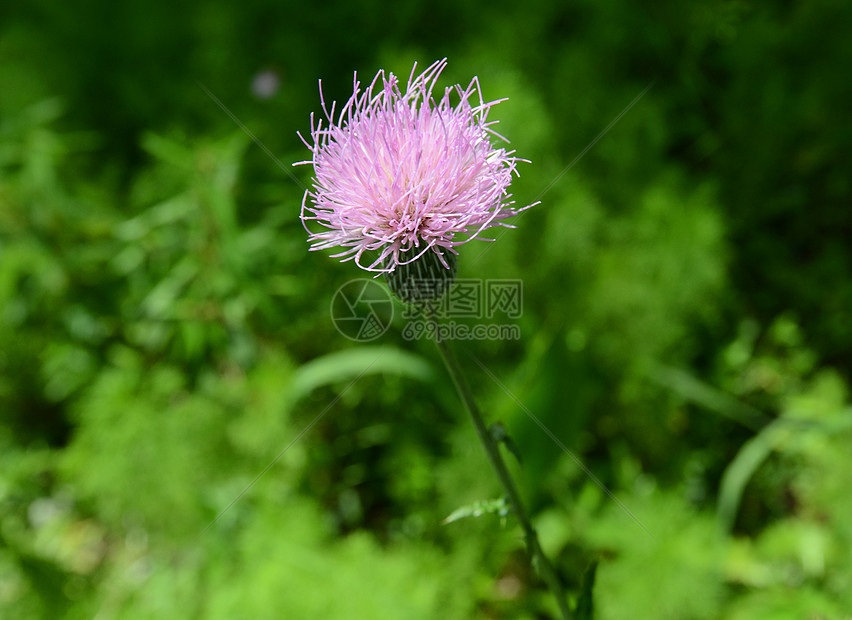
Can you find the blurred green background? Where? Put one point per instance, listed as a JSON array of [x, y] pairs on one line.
[[164, 333]]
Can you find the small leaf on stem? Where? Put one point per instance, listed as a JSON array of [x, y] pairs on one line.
[[499, 506], [499, 434]]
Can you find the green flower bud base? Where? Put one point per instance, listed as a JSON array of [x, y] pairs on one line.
[[424, 280]]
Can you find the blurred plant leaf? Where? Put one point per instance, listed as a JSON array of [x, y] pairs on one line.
[[818, 411], [586, 603], [707, 396], [350, 363], [753, 453]]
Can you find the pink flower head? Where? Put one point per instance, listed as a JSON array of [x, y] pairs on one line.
[[400, 174]]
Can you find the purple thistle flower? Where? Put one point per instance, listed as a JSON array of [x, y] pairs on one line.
[[402, 174]]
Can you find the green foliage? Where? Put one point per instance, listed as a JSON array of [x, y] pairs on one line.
[[183, 433], [680, 559], [301, 572], [638, 286]]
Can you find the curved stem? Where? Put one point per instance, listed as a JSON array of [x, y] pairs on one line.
[[548, 572]]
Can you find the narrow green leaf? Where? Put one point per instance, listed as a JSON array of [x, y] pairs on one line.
[[350, 363], [586, 603], [740, 470]]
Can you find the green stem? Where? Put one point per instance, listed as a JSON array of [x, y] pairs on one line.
[[548, 573]]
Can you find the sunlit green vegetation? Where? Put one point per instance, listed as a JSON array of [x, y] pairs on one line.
[[165, 335]]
